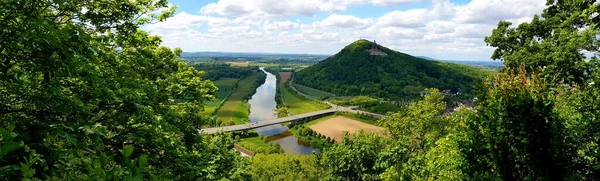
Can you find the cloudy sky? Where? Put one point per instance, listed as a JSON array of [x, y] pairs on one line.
[[442, 29]]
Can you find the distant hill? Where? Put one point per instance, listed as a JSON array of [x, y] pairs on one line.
[[356, 71], [425, 57]]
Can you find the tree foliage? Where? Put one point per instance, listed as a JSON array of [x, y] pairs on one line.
[[555, 41], [82, 88]]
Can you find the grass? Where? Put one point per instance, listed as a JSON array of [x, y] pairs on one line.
[[297, 104], [253, 143], [226, 86], [313, 92], [236, 109]]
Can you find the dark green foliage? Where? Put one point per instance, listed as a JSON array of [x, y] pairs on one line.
[[214, 71], [92, 97], [554, 41], [516, 133], [397, 76]]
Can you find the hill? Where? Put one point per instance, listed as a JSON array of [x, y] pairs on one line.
[[356, 70]]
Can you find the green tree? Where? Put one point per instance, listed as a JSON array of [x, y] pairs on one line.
[[282, 112], [285, 167], [554, 41], [83, 87], [355, 158], [516, 135]]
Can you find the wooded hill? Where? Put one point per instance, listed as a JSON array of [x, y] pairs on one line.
[[354, 71]]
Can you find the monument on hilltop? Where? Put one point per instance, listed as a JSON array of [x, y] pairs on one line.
[[375, 50]]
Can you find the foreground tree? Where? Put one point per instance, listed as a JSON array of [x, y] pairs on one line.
[[558, 41], [82, 88]]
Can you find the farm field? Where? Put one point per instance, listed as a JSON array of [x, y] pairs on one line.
[[335, 127], [285, 76], [235, 109], [298, 105], [239, 64], [226, 86], [313, 92]]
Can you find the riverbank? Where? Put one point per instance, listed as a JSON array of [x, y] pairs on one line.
[[236, 109]]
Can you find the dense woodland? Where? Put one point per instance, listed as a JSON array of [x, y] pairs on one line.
[[215, 70], [86, 95], [397, 76]]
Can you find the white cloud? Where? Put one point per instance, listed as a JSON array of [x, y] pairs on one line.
[[491, 11], [285, 8], [343, 21], [443, 30]]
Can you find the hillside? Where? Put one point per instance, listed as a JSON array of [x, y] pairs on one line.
[[354, 71]]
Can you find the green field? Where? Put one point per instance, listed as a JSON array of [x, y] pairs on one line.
[[236, 109], [313, 92], [297, 104], [253, 143], [226, 86]]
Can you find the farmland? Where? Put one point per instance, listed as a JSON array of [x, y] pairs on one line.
[[239, 64], [336, 126], [226, 86], [235, 109], [285, 76]]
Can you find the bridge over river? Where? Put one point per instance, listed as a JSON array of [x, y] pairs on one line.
[[248, 126], [295, 119]]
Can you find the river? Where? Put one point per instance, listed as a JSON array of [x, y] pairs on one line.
[[262, 107]]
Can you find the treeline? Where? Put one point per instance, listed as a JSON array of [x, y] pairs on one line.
[[216, 70], [369, 104], [278, 98]]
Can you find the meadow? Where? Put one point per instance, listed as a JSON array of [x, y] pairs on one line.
[[313, 92], [236, 108], [297, 104], [226, 86]]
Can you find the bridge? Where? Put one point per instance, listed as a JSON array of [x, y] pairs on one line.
[[248, 126], [296, 119]]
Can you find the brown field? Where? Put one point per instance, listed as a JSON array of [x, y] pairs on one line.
[[336, 126], [285, 76], [239, 64]]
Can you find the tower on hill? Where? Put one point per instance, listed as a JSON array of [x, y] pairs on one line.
[[375, 50]]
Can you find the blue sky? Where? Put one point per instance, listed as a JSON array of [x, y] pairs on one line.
[[442, 29]]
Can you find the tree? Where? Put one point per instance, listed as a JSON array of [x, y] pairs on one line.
[[83, 87], [285, 167], [516, 135], [421, 125], [355, 158], [282, 112], [556, 41]]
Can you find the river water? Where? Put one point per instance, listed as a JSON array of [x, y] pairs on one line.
[[262, 107]]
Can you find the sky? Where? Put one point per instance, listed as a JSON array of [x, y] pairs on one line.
[[441, 29]]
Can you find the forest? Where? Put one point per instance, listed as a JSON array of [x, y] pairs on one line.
[[86, 94]]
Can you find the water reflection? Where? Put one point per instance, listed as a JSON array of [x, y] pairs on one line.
[[262, 106]]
